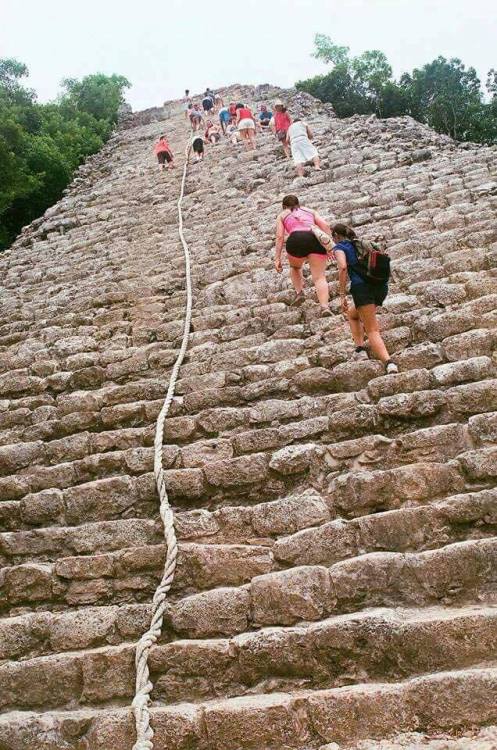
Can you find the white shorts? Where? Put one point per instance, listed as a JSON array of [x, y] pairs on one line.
[[303, 150], [246, 124]]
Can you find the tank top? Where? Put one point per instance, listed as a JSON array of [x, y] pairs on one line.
[[245, 114], [299, 220], [281, 121]]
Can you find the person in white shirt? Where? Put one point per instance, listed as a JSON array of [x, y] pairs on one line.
[[299, 137]]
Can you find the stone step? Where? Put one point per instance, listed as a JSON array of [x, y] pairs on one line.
[[458, 573], [453, 700], [332, 653], [131, 574], [458, 518]]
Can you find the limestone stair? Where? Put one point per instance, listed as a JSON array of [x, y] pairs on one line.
[[337, 576]]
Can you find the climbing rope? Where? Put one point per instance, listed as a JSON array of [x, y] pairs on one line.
[[143, 685]]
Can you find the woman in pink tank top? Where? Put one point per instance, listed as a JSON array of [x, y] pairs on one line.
[[302, 245]]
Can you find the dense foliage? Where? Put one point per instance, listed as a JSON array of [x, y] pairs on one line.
[[42, 144], [444, 94]]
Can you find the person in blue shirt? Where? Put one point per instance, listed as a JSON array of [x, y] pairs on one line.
[[224, 118], [367, 296], [265, 116]]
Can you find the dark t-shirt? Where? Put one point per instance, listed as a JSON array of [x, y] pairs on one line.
[[351, 257]]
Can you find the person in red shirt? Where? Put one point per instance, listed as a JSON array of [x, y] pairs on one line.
[[280, 123], [246, 125], [162, 149], [232, 111]]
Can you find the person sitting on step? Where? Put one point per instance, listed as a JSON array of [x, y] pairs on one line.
[[367, 296], [212, 132], [302, 245], [265, 117]]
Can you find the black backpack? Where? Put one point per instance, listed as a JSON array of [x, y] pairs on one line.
[[373, 263]]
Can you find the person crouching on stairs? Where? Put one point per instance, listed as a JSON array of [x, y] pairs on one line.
[[302, 245], [198, 146], [164, 154], [366, 296]]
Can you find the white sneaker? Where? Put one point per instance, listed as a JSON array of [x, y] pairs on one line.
[[391, 368]]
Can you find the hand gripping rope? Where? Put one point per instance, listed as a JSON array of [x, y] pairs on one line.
[[143, 688]]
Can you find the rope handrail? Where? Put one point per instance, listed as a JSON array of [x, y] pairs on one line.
[[143, 685]]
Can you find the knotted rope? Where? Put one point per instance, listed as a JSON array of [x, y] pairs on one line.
[[143, 686]]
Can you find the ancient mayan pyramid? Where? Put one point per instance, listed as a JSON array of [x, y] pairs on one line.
[[337, 578]]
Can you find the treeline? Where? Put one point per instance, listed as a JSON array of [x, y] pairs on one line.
[[42, 144], [443, 94]]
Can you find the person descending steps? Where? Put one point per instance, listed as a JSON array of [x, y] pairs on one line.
[[303, 245], [368, 275], [164, 154], [299, 137], [265, 116]]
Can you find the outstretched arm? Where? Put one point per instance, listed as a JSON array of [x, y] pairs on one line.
[[280, 240], [342, 278]]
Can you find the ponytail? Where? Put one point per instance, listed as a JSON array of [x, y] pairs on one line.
[[343, 230]]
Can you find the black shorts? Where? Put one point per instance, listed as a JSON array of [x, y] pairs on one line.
[[301, 244], [208, 105], [198, 146], [369, 294], [164, 156]]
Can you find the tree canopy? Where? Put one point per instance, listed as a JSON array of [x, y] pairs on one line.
[[443, 94], [42, 144]]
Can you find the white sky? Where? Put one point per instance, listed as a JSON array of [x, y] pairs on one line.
[[165, 47]]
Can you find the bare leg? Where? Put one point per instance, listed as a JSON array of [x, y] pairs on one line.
[[252, 138], [367, 314], [300, 170], [356, 327], [317, 163], [318, 273], [296, 273]]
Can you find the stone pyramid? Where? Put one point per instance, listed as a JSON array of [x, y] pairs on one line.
[[337, 576]]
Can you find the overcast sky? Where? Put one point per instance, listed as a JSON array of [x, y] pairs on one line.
[[165, 47]]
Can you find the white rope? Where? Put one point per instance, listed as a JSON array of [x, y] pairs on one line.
[[143, 686]]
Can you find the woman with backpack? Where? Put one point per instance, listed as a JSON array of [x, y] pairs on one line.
[[368, 288], [302, 244]]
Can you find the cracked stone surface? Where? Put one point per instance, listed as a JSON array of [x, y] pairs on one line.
[[336, 583]]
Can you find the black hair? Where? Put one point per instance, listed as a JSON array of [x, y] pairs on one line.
[[240, 106], [291, 202], [342, 230]]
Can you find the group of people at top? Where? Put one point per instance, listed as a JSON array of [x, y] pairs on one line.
[[305, 235], [237, 122]]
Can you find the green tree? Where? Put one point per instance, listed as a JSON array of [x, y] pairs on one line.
[[355, 85], [444, 94], [97, 95], [42, 144]]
